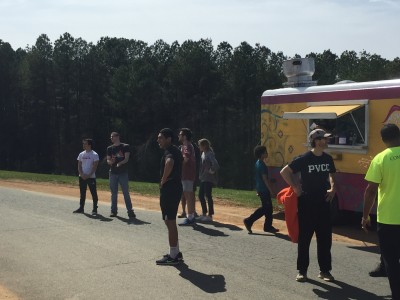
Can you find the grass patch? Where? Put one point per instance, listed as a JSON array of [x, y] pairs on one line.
[[229, 196]]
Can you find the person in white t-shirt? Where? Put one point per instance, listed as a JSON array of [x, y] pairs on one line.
[[88, 161]]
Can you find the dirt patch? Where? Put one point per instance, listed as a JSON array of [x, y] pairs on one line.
[[225, 213]]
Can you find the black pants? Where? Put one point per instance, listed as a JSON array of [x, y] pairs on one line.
[[206, 190], [265, 210], [314, 216], [83, 184], [389, 242]]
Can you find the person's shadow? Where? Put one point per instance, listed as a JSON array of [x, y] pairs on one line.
[[224, 225], [343, 291], [211, 284], [133, 221], [98, 217], [208, 231]]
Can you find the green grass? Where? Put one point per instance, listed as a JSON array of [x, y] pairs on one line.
[[228, 196]]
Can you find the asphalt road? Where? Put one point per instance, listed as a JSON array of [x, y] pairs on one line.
[[46, 252]]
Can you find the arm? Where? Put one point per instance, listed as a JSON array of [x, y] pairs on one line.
[[214, 164], [330, 194], [110, 160], [94, 168], [269, 185], [80, 171], [169, 164], [369, 200], [292, 180], [125, 160]]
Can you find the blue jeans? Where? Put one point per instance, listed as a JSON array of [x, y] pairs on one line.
[[123, 180]]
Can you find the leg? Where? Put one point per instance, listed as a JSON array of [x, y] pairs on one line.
[[259, 212], [124, 182], [389, 241], [208, 191], [114, 192], [323, 233], [82, 189], [202, 198], [306, 231], [183, 204], [93, 192]]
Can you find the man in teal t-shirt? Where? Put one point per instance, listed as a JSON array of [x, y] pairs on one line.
[[383, 178]]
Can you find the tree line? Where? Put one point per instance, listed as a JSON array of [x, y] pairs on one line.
[[54, 94]]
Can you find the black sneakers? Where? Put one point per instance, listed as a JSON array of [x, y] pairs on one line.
[[271, 229], [379, 271], [79, 211], [113, 214], [131, 214], [247, 225], [167, 260]]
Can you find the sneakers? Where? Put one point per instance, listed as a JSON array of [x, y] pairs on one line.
[[178, 257], [113, 214], [301, 277], [182, 215], [94, 212], [187, 222], [247, 225], [131, 214], [379, 271], [326, 276], [79, 211], [205, 218], [167, 260], [271, 229]]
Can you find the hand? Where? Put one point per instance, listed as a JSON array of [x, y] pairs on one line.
[[330, 194], [365, 222], [298, 190]]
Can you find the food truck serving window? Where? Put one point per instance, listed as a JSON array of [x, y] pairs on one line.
[[345, 120]]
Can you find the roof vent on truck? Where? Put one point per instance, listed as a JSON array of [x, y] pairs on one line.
[[299, 72]]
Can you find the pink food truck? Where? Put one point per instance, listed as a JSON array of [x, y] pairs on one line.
[[353, 112]]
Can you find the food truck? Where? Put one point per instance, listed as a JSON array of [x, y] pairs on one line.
[[353, 112]]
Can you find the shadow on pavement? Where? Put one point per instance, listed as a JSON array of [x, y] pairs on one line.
[[134, 221], [342, 291], [224, 225], [211, 284], [207, 230], [98, 217]]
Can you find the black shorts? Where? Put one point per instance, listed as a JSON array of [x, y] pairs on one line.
[[170, 196]]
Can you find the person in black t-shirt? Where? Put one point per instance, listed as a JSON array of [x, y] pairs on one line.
[[117, 158], [170, 193], [311, 176]]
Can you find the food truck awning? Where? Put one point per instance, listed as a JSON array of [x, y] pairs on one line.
[[322, 112]]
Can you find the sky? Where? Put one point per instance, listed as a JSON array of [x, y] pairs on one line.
[[288, 26]]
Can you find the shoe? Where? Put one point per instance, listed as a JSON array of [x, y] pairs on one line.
[[78, 211], [187, 222], [113, 214], [182, 215], [204, 218], [167, 260], [94, 212], [301, 277], [131, 214], [178, 257], [326, 276], [271, 229], [247, 225], [379, 271]]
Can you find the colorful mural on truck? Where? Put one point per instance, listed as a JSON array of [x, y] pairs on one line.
[[286, 139]]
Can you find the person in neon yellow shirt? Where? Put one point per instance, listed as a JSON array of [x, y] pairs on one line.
[[383, 178]]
